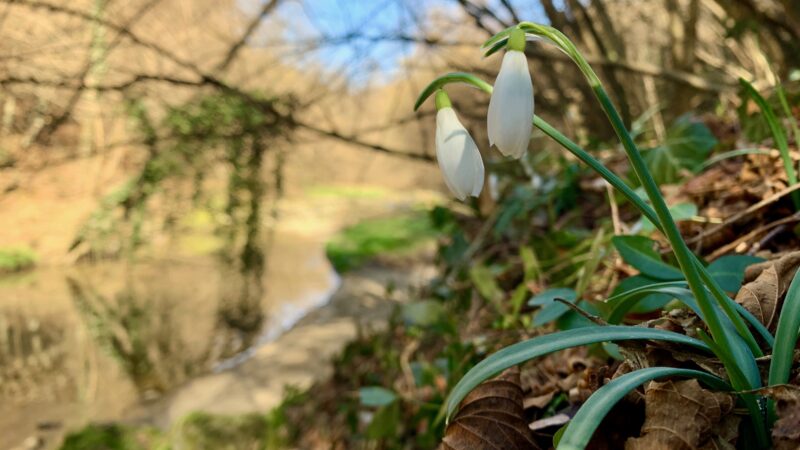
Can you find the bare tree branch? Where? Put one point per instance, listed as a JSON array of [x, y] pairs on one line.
[[251, 28]]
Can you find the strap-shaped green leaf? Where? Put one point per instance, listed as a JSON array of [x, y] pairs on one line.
[[786, 335], [639, 252], [581, 428], [544, 345], [778, 135]]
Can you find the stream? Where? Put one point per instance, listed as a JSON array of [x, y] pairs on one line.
[[90, 343]]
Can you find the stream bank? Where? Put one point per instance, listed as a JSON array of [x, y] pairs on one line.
[[364, 300]]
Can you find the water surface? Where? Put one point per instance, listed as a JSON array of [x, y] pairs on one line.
[[91, 342]]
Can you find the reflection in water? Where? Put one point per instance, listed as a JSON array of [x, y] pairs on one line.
[[90, 343], [137, 329], [29, 350]]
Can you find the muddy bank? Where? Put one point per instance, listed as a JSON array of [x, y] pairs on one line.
[[302, 355]]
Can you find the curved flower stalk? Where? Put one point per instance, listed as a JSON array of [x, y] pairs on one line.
[[511, 106], [456, 152]]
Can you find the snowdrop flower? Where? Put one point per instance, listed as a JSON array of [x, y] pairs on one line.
[[456, 151], [511, 106]]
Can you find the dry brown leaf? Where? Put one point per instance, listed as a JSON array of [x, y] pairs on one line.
[[766, 283], [786, 431], [539, 401], [681, 415], [491, 418], [761, 296]]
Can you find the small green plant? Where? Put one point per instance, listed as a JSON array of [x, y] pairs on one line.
[[356, 244], [113, 437], [730, 338], [16, 259]]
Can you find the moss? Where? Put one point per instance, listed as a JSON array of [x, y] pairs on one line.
[[15, 259], [201, 431], [356, 244], [113, 437]]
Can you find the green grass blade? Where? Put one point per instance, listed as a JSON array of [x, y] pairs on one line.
[[786, 335], [732, 154], [454, 77], [778, 135], [543, 345], [788, 111], [581, 428], [623, 303], [754, 322]]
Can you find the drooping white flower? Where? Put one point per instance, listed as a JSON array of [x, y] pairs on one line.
[[511, 106], [458, 155]]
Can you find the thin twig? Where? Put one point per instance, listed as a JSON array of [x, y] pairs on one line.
[[738, 216]]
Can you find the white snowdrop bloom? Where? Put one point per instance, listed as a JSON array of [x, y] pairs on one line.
[[511, 106], [458, 155]]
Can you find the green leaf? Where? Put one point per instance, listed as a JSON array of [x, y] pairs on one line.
[[547, 297], [786, 335], [544, 345], [728, 271], [424, 313], [483, 279], [639, 252], [551, 309], [622, 304], [580, 429], [572, 319], [530, 263], [638, 285], [385, 422], [376, 396], [680, 211], [686, 147], [778, 135]]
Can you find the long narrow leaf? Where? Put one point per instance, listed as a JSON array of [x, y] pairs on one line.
[[543, 345], [778, 135], [786, 335], [581, 428], [621, 304], [788, 111]]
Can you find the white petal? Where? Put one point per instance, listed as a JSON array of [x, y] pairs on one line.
[[458, 156], [511, 106]]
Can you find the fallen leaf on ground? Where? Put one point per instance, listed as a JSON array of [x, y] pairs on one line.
[[681, 415], [491, 417], [766, 283], [786, 431]]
